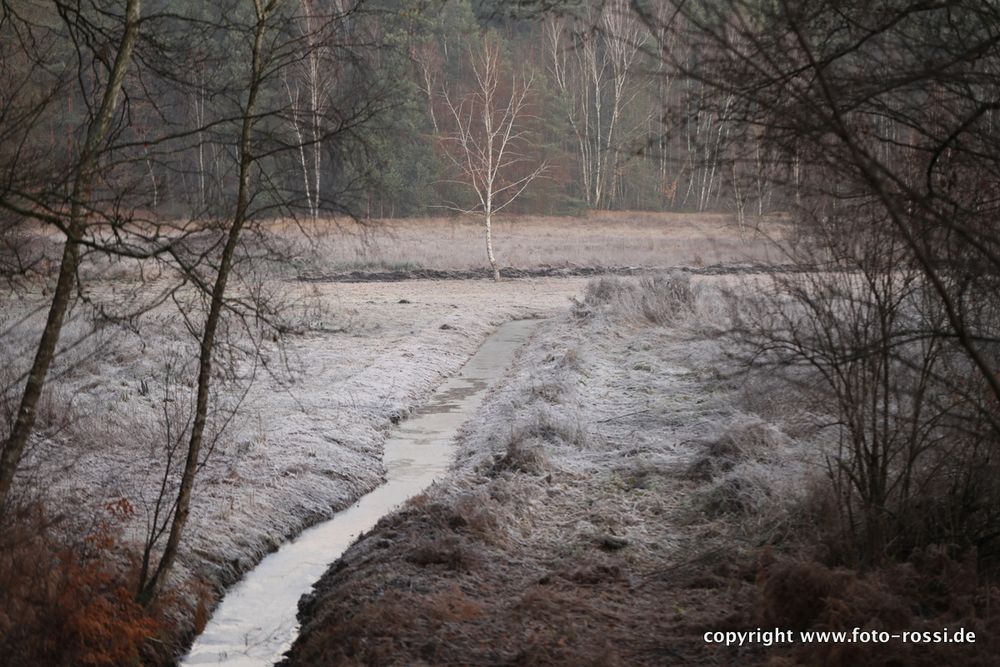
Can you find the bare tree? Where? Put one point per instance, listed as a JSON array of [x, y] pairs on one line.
[[278, 46], [594, 60], [880, 130], [98, 128], [309, 85], [487, 142], [150, 580], [427, 61], [914, 135]]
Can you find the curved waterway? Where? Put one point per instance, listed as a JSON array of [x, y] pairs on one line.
[[256, 621]]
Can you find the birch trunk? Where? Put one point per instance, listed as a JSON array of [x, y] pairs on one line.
[[489, 248]]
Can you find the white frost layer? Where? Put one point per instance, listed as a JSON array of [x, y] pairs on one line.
[[304, 445]]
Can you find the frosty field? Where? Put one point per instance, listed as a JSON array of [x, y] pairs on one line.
[[308, 437]]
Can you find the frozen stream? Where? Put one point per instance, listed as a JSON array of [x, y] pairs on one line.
[[255, 623]]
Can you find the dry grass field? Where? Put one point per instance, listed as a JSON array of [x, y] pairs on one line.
[[602, 239]]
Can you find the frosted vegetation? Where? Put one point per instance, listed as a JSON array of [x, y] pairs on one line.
[[305, 417], [241, 241]]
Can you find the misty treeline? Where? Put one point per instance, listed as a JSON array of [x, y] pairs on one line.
[[597, 108]]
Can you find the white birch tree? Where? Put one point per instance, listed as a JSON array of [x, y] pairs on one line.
[[310, 87], [594, 61], [487, 142]]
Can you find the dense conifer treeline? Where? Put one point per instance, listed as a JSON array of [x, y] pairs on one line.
[[615, 128]]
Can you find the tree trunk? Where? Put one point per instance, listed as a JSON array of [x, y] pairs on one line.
[[489, 248], [28, 409], [150, 584], [97, 134]]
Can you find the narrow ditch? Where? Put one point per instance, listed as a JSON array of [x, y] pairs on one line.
[[256, 621]]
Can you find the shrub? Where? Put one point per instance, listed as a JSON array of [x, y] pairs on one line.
[[914, 460], [68, 600], [657, 299], [741, 442], [524, 454], [932, 592], [662, 298]]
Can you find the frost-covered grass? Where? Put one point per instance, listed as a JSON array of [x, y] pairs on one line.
[[307, 437], [600, 502]]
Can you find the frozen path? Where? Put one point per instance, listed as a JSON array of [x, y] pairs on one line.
[[256, 621]]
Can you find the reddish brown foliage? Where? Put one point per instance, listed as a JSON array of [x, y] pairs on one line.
[[931, 592], [436, 583], [68, 601]]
